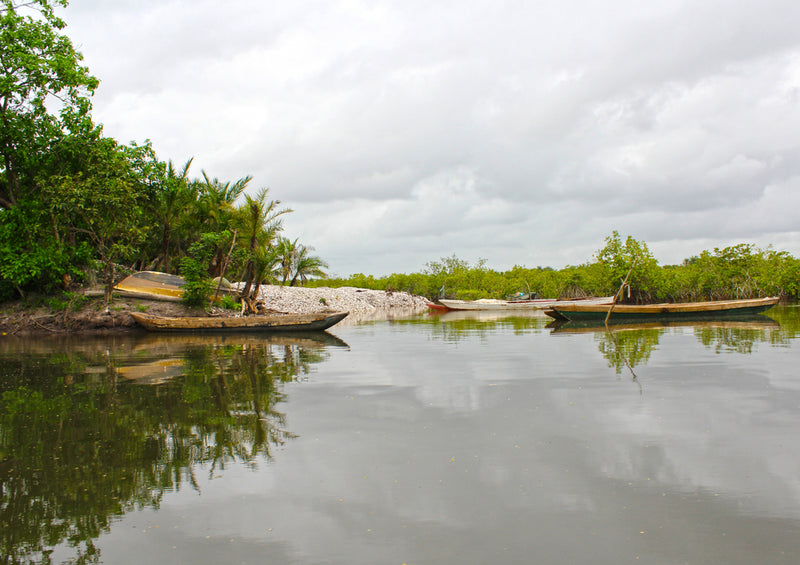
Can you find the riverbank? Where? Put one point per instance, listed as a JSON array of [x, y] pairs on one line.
[[92, 314]]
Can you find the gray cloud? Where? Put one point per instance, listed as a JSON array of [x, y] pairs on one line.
[[521, 133]]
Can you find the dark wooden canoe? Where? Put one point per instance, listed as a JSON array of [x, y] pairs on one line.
[[679, 310], [271, 323]]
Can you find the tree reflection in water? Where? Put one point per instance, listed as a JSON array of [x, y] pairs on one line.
[[82, 441], [630, 345]]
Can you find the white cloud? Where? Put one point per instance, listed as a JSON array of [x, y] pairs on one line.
[[521, 133]]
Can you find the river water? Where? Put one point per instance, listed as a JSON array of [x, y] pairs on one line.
[[458, 438]]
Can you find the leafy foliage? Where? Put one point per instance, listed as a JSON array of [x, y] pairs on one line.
[[617, 259], [194, 270], [73, 202], [39, 64], [738, 271]]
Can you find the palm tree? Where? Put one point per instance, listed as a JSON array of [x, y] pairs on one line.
[[264, 263], [296, 263], [258, 221], [307, 265], [287, 250], [171, 205], [217, 199], [216, 212]]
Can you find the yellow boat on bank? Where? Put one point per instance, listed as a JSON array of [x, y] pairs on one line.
[[152, 285], [155, 285]]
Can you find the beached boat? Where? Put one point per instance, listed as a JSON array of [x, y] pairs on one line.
[[154, 285], [151, 285], [535, 304], [436, 307], [680, 310], [269, 323]]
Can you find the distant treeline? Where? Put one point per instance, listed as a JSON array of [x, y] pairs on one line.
[[740, 271]]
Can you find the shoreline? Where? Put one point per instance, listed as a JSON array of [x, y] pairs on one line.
[[93, 316]]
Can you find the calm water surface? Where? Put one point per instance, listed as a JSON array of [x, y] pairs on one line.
[[426, 440]]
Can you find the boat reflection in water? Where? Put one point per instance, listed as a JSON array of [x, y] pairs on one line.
[[455, 325], [83, 442], [635, 339], [632, 344]]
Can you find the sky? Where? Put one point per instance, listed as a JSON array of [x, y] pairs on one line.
[[524, 133]]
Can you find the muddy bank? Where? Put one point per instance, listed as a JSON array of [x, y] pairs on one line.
[[94, 315]]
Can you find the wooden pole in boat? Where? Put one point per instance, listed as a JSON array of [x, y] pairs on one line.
[[614, 339], [622, 286]]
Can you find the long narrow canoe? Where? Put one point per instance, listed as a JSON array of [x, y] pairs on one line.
[[535, 304], [680, 310], [271, 323]]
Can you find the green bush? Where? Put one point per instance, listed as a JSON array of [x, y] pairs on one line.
[[198, 284], [228, 302]]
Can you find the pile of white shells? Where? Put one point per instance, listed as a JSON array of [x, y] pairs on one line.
[[360, 302]]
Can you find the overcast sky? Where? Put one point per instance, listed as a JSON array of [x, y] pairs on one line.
[[522, 132]]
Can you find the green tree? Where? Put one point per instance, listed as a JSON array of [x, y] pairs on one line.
[[287, 253], [216, 212], [87, 214], [30, 255], [259, 222], [169, 207], [619, 258], [307, 265], [101, 203], [194, 268], [39, 66]]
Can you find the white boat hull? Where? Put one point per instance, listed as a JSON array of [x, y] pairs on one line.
[[537, 304]]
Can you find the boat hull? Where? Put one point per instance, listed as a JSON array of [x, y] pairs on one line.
[[535, 304], [152, 285], [272, 323], [683, 311], [155, 285]]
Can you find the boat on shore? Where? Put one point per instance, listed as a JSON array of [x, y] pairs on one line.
[[151, 285], [155, 285], [263, 323], [678, 310], [533, 304]]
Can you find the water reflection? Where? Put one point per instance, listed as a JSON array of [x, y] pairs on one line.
[[455, 325], [633, 344], [621, 344], [81, 442]]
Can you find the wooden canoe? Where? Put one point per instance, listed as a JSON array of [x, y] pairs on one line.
[[535, 304], [678, 310], [270, 323]]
